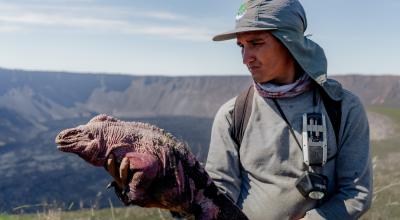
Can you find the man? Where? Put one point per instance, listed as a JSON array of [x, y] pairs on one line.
[[264, 171], [290, 163]]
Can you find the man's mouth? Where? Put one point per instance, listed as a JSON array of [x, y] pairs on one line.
[[253, 67]]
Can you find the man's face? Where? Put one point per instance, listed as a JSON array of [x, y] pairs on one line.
[[267, 59]]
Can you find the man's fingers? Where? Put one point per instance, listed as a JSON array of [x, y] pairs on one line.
[[111, 168], [124, 171], [120, 174]]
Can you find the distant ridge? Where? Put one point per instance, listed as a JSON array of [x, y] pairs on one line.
[[36, 105], [57, 95], [373, 89]]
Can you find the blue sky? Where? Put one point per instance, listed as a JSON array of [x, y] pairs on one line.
[[173, 37]]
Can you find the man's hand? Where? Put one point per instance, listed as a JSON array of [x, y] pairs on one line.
[[120, 174], [133, 176]]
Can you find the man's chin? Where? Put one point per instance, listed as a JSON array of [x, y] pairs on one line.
[[259, 78]]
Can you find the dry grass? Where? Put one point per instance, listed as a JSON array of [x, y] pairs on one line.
[[129, 213], [386, 200]]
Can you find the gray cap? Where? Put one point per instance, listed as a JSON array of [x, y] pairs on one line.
[[287, 21]]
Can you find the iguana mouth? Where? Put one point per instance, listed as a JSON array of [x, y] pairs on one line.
[[67, 139], [64, 145], [63, 142]]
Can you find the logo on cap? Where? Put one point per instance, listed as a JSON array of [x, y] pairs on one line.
[[242, 11]]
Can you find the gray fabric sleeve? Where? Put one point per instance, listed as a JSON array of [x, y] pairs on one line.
[[223, 161], [353, 168]]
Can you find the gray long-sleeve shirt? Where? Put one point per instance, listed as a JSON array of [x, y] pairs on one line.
[[262, 181]]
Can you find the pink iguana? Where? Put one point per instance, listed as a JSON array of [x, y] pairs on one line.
[[163, 172]]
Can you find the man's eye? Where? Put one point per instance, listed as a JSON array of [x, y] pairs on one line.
[[257, 43]]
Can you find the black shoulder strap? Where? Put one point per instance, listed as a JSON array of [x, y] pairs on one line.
[[334, 110], [244, 102], [241, 114]]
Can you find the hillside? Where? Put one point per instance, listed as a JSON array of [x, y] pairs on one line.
[[374, 90], [35, 106], [40, 96]]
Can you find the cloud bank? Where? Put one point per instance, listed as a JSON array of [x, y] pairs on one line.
[[83, 15]]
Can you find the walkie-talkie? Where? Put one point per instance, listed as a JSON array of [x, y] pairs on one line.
[[314, 185], [314, 139]]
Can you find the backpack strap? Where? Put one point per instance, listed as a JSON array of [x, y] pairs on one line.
[[241, 114], [334, 110], [243, 106]]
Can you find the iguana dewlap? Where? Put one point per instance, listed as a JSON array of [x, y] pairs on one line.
[[165, 173]]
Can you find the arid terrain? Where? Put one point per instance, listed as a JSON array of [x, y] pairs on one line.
[[35, 106]]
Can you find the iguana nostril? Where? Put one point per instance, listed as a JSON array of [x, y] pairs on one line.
[[72, 132]]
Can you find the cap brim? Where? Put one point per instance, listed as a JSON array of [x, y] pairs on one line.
[[232, 34]]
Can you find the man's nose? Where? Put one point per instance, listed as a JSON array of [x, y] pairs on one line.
[[247, 56]]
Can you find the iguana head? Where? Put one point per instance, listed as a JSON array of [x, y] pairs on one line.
[[89, 141]]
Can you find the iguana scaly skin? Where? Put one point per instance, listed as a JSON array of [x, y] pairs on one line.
[[164, 173]]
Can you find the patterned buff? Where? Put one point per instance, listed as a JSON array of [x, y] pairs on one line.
[[270, 90]]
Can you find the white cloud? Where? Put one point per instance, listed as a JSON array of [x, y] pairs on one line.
[[59, 21], [161, 15], [10, 29], [38, 21], [184, 33], [15, 17]]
